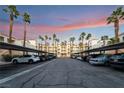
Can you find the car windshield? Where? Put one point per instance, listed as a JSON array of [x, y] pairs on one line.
[[118, 56], [35, 55], [101, 56], [27, 56], [94, 56]]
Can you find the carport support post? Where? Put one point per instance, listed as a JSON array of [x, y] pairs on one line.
[[116, 51], [26, 53], [45, 54], [81, 54], [88, 53]]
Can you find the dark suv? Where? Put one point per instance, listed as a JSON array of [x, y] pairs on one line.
[[117, 61]]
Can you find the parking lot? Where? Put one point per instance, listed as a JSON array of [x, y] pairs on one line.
[[60, 73]]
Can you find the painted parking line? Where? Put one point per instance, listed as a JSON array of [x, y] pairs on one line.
[[21, 73]]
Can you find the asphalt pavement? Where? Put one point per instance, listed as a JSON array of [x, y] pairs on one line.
[[60, 73]]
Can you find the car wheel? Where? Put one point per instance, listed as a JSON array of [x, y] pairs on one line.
[[30, 61], [15, 61], [43, 59], [107, 63]]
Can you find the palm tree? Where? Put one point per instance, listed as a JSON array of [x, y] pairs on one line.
[[49, 44], [111, 41], [56, 43], [72, 39], [104, 38], [54, 37], [57, 40], [80, 46], [87, 38], [115, 18], [13, 14], [27, 20], [42, 39], [81, 38], [45, 39]]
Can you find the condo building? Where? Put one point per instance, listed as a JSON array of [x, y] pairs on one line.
[[61, 50]]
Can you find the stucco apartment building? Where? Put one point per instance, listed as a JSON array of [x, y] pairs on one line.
[[61, 50], [5, 38]]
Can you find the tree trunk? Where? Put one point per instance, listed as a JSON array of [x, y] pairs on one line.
[[116, 25], [24, 43], [72, 47], [38, 46], [10, 33], [103, 42], [82, 45], [82, 48], [45, 46], [88, 46], [41, 47], [53, 45], [117, 31]]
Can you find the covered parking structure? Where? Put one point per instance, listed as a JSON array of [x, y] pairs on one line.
[[104, 48], [20, 48]]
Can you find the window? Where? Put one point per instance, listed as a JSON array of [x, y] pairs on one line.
[[27, 56], [1, 39], [123, 38]]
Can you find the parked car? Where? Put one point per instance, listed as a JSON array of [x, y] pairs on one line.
[[117, 61], [43, 58], [88, 57], [26, 59], [100, 60], [84, 57], [50, 57], [79, 57], [74, 56]]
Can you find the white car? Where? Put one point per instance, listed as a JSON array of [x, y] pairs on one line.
[[26, 59], [79, 58]]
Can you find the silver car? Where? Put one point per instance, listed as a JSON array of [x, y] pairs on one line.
[[100, 60]]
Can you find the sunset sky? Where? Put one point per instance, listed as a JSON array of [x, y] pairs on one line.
[[65, 21]]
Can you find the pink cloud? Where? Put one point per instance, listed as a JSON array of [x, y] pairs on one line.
[[35, 30]]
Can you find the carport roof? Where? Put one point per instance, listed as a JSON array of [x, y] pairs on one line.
[[18, 48], [105, 48]]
